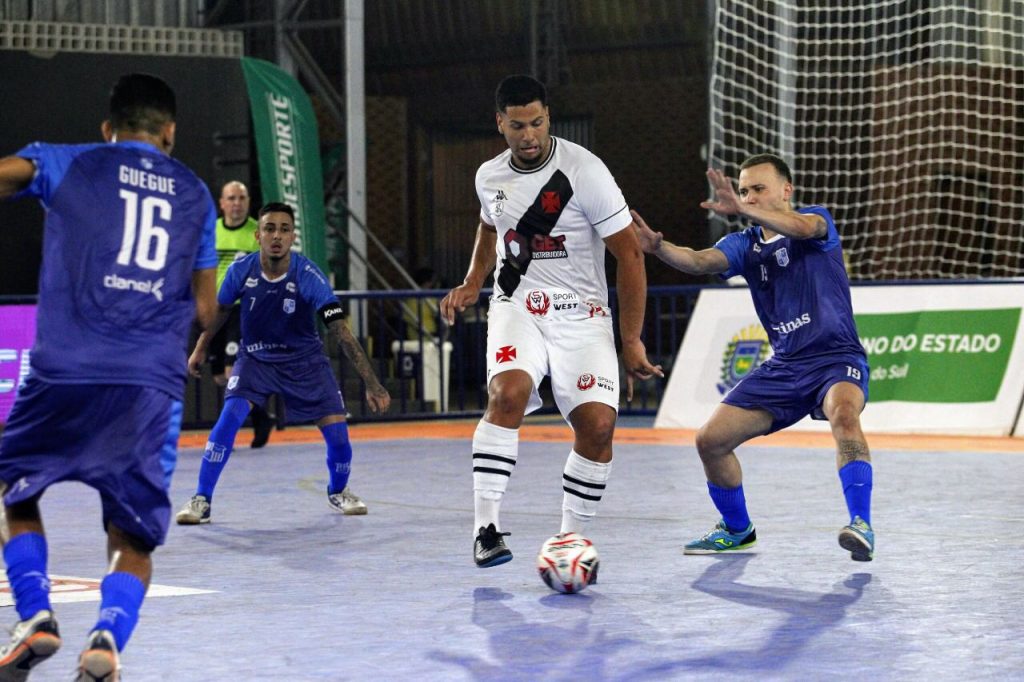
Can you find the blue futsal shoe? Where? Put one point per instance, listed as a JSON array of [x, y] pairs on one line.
[[720, 539], [858, 539]]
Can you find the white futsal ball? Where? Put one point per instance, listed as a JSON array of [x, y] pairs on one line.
[[568, 562]]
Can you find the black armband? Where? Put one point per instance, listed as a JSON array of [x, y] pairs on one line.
[[331, 312]]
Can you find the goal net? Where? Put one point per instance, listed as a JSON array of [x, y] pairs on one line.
[[904, 117]]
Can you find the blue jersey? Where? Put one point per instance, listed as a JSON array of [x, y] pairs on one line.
[[278, 321], [800, 289], [126, 226]]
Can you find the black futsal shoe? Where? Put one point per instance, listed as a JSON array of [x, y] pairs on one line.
[[489, 548]]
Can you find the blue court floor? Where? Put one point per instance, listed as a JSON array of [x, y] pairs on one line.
[[298, 592]]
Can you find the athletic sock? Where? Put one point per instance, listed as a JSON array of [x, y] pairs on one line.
[[583, 484], [495, 450], [25, 556], [856, 478], [218, 447], [339, 456], [121, 598], [732, 505]]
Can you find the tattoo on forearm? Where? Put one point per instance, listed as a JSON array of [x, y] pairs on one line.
[[353, 351], [852, 450]]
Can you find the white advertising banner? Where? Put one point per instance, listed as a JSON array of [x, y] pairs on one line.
[[944, 358]]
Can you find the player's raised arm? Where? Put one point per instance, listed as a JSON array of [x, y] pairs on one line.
[[15, 175], [480, 266], [376, 395], [704, 262], [756, 201]]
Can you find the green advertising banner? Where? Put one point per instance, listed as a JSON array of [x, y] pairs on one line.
[[288, 149], [938, 356]]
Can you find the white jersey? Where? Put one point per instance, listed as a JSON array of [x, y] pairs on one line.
[[551, 222]]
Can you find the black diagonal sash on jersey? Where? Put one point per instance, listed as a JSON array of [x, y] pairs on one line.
[[538, 221]]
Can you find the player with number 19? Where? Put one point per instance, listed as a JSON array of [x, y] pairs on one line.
[[792, 261]]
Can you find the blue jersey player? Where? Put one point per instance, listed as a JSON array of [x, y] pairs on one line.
[[793, 263], [281, 294], [128, 253]]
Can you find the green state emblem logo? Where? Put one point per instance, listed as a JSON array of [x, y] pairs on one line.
[[746, 351]]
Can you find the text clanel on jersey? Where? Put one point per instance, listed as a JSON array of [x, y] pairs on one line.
[[143, 286], [143, 180]]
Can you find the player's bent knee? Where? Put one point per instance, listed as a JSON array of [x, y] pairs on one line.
[[709, 447], [596, 432], [845, 417], [507, 400]]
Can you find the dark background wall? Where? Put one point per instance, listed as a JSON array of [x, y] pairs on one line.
[[632, 75], [63, 99]]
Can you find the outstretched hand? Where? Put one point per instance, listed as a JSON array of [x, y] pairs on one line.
[[727, 202], [650, 241], [634, 357]]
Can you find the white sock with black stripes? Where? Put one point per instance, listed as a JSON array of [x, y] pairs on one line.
[[583, 483], [495, 450]]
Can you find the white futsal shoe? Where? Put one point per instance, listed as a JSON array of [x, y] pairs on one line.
[[195, 511], [346, 502]]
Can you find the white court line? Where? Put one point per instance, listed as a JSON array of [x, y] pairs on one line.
[[65, 589]]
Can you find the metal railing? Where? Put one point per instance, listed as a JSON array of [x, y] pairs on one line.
[[436, 371]]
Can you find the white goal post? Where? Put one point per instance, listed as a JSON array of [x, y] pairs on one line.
[[905, 118]]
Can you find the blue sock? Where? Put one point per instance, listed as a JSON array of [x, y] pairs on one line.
[[339, 456], [856, 478], [732, 505], [25, 556], [218, 448], [122, 595]]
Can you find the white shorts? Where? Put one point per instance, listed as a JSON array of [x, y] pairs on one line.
[[578, 354]]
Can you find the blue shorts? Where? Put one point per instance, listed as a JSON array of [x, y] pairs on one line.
[[110, 437], [791, 390], [306, 385]]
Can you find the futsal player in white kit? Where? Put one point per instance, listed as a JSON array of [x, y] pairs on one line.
[[549, 209]]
